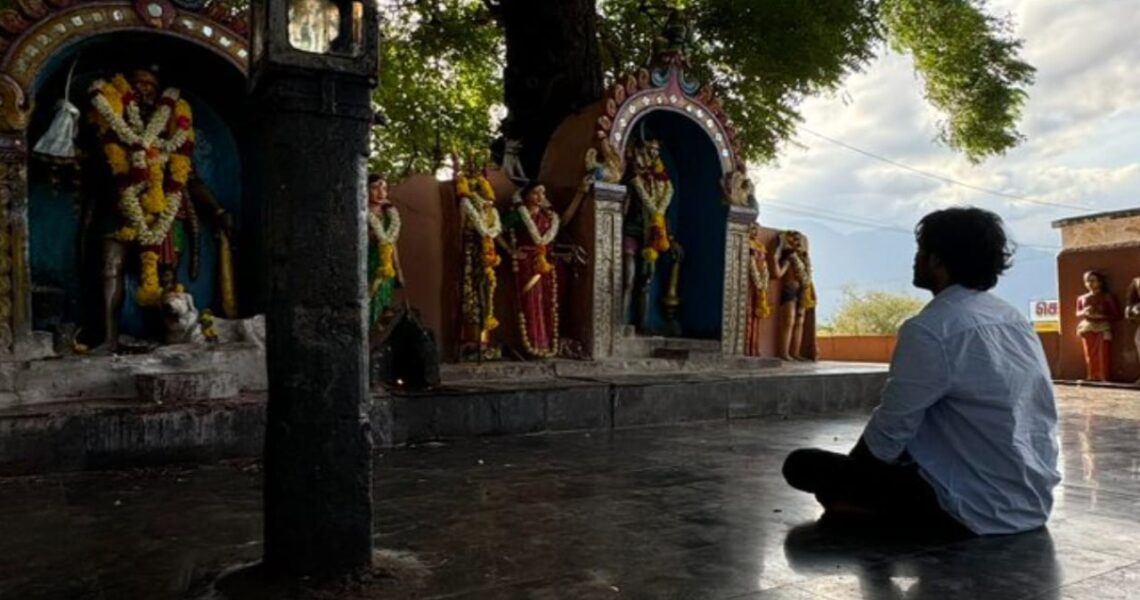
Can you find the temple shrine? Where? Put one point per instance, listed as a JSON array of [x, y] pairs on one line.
[[134, 252]]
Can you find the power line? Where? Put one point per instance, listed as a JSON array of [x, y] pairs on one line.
[[863, 222], [942, 178]]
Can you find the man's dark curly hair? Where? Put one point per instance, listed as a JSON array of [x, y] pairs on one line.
[[970, 242]]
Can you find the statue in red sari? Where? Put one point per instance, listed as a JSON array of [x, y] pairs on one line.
[[1097, 310], [532, 226]]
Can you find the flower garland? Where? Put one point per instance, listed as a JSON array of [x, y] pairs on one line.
[[206, 321], [555, 341], [760, 277], [656, 196], [486, 222], [803, 273], [541, 241], [139, 158], [387, 238]]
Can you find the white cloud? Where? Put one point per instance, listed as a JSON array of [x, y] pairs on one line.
[[1082, 121]]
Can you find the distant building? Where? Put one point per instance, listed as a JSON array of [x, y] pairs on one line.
[[1109, 243]]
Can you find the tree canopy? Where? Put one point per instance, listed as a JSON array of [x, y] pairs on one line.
[[446, 65], [872, 312]]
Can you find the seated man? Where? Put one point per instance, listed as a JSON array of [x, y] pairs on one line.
[[964, 437]]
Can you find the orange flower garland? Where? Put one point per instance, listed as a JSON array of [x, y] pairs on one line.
[[139, 157], [481, 216]]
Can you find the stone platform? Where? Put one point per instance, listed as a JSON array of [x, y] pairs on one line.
[[693, 512], [175, 408]]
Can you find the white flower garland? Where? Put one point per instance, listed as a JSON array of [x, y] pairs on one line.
[[154, 233], [532, 228], [487, 223], [659, 195], [135, 134], [389, 234]]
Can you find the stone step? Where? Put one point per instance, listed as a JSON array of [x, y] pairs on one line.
[[171, 388]]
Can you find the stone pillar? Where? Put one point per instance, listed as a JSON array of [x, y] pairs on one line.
[[15, 271], [735, 323], [608, 200], [312, 150]]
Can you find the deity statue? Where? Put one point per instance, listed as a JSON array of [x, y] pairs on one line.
[[1132, 312], [758, 279], [645, 230], [792, 266], [739, 189], [482, 228], [1097, 310], [532, 226], [384, 272], [147, 139], [676, 40]]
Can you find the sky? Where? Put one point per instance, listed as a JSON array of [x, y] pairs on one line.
[[1082, 123]]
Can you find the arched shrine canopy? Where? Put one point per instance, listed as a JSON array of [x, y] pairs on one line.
[[666, 87], [34, 36]]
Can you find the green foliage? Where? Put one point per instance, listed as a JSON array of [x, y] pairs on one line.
[[762, 56], [442, 71], [441, 79], [872, 312], [970, 64]]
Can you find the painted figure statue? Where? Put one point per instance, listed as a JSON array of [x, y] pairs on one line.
[[645, 231], [147, 138], [758, 279], [532, 226], [797, 292], [1097, 310], [1132, 313], [384, 272], [482, 228]]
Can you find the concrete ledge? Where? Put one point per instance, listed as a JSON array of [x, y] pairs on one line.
[[101, 436], [115, 434]]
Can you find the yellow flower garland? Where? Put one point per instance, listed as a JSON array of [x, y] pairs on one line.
[[490, 261], [542, 263], [149, 292], [387, 267], [761, 308], [153, 202], [809, 297]]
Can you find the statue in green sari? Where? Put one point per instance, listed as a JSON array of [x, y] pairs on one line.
[[384, 273]]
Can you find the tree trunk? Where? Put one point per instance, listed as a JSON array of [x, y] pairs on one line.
[[554, 68]]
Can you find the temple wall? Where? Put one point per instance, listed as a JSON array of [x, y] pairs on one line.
[[1109, 243], [1120, 264]]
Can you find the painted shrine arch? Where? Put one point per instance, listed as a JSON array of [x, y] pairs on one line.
[[666, 88], [637, 110], [29, 55]]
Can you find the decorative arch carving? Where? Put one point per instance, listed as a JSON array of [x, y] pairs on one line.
[[667, 88], [39, 29], [31, 33]]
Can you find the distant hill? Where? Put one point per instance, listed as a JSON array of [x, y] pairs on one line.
[[883, 260]]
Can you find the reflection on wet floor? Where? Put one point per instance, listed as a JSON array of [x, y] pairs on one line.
[[681, 512]]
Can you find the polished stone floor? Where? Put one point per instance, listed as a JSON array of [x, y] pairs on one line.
[[680, 512]]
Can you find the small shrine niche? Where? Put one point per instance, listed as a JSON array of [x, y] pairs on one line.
[[672, 209], [85, 80]]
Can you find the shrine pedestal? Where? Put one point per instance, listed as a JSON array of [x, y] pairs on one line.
[[492, 399]]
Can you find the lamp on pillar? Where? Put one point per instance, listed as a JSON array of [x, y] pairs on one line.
[[314, 65]]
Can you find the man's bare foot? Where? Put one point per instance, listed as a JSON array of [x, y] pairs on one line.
[[787, 357]]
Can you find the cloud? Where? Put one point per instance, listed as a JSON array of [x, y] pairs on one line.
[[1082, 121]]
